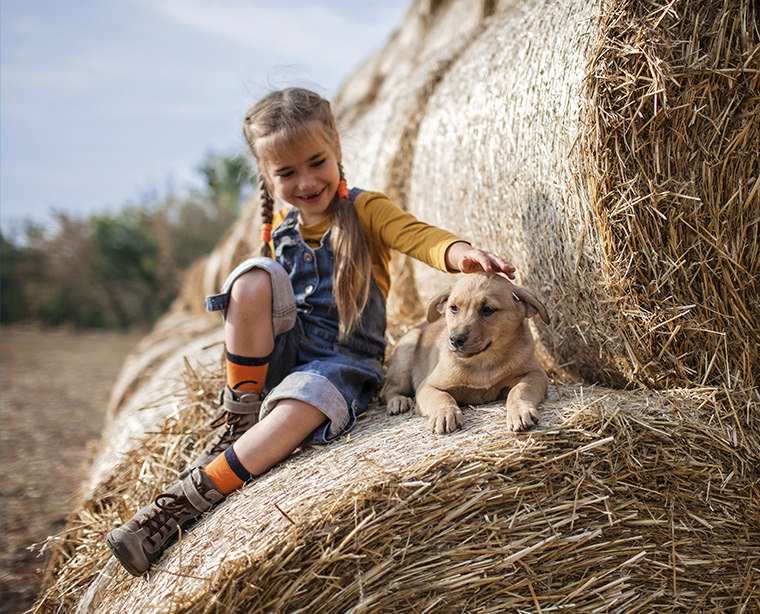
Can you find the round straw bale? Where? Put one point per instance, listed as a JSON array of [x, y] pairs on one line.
[[151, 380], [672, 148], [611, 150], [380, 108], [617, 502]]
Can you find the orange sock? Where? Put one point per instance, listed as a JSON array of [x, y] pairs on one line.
[[227, 472], [246, 373]]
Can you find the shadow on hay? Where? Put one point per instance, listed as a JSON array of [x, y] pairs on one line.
[[566, 350]]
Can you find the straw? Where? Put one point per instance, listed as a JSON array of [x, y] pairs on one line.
[[617, 502]]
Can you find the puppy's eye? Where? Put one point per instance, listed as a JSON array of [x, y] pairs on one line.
[[517, 298], [453, 309], [486, 311]]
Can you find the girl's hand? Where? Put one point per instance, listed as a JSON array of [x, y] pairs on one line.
[[467, 259]]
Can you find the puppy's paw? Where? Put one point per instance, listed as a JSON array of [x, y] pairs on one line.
[[399, 404], [446, 419], [521, 417]]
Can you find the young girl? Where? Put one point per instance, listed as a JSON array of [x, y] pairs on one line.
[[304, 323]]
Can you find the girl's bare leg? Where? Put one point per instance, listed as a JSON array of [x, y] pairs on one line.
[[248, 332], [248, 322], [272, 439]]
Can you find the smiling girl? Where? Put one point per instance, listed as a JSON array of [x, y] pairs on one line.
[[304, 322]]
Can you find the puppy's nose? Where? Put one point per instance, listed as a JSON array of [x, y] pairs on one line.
[[457, 340]]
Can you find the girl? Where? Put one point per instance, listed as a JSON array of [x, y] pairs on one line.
[[304, 323]]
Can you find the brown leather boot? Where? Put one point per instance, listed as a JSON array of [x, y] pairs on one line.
[[141, 541], [240, 411]]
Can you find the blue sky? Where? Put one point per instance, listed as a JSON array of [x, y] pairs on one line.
[[109, 102]]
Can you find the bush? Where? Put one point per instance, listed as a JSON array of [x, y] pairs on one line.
[[123, 269]]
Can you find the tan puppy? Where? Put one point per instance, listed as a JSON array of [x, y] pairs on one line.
[[482, 351]]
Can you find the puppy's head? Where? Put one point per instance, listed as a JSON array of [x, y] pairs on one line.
[[483, 310]]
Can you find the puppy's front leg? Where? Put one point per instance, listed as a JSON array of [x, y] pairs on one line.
[[398, 392], [523, 400], [440, 408]]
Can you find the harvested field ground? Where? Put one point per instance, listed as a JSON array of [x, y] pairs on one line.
[[55, 389]]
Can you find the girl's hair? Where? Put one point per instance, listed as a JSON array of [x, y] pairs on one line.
[[281, 118]]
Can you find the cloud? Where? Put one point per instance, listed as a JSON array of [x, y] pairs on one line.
[[284, 28], [320, 36], [101, 98]]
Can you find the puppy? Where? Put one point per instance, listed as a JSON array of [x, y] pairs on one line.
[[482, 351]]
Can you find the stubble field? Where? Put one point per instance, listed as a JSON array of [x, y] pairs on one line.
[[55, 386]]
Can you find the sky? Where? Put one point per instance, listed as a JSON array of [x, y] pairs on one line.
[[105, 103]]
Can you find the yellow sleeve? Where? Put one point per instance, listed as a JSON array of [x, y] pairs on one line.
[[278, 217], [387, 223]]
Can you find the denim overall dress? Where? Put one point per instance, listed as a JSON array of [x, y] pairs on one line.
[[309, 361]]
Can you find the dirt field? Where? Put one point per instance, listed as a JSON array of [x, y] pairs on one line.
[[55, 386]]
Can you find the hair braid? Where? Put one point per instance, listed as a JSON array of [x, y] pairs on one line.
[[342, 185], [267, 213], [353, 267]]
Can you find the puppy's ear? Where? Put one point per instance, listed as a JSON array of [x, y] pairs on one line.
[[437, 304], [532, 305]]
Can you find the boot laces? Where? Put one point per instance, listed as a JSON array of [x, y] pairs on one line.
[[221, 418], [231, 434], [166, 507]]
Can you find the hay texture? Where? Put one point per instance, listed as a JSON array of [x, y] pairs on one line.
[[617, 502], [609, 149]]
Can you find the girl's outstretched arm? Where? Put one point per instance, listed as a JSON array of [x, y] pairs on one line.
[[461, 256]]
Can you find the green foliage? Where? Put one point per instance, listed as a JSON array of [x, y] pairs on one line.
[[14, 261], [123, 269]]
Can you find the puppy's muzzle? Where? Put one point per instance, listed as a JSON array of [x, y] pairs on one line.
[[461, 344], [457, 341]]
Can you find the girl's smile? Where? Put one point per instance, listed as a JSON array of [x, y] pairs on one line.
[[313, 197], [305, 174]]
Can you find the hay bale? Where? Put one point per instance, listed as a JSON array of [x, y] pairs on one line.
[[674, 165], [610, 149], [148, 384], [617, 502]]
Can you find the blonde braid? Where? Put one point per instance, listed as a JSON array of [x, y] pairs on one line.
[[267, 214], [352, 264]]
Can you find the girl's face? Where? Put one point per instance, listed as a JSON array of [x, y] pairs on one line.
[[305, 174]]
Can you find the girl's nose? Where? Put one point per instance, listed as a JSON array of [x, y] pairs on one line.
[[306, 181]]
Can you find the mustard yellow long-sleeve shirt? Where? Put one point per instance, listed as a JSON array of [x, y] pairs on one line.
[[386, 226]]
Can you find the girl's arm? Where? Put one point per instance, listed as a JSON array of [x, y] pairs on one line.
[[461, 256]]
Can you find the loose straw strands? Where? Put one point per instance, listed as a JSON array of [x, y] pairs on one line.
[[618, 502], [672, 144]]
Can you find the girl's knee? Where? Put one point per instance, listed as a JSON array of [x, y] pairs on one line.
[[252, 288], [248, 326]]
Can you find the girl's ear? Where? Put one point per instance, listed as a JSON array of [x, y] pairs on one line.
[[437, 304]]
